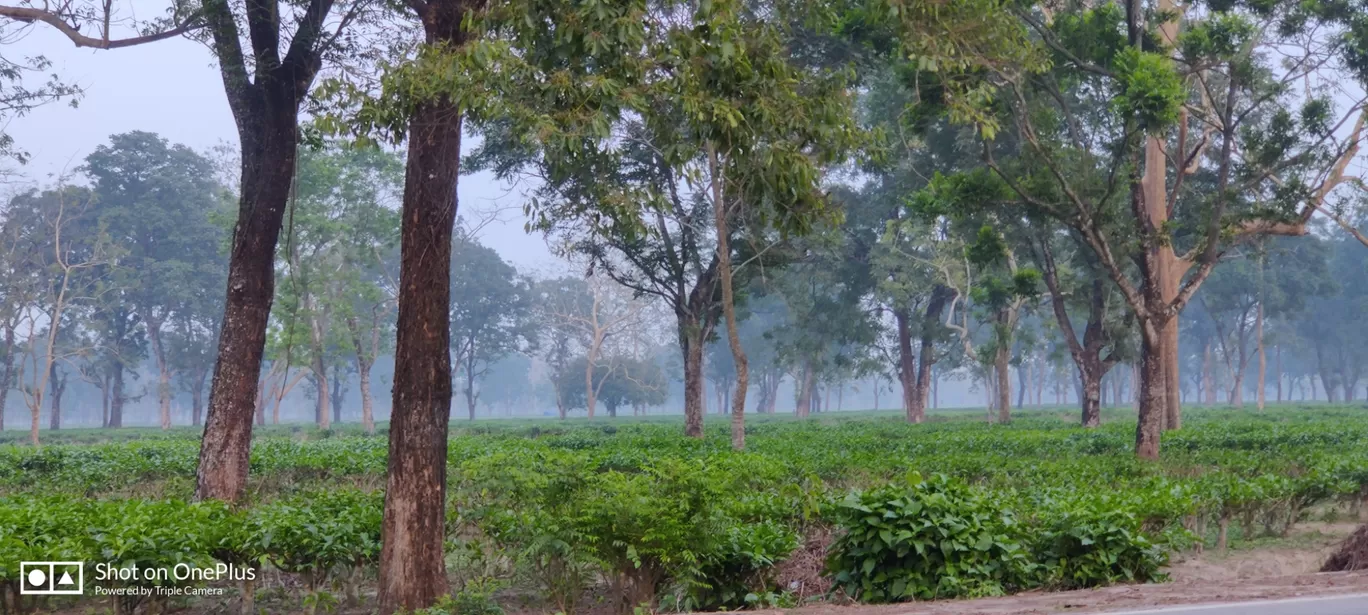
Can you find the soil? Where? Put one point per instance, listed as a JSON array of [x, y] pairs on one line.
[[1286, 568], [1352, 554]]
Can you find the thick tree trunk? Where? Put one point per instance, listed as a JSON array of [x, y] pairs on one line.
[[691, 340], [116, 396], [323, 409], [1092, 391], [1151, 393], [412, 557], [907, 369], [268, 161], [803, 405]]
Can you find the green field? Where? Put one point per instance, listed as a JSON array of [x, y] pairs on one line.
[[614, 514]]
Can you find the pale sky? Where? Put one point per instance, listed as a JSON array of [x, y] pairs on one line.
[[172, 88]]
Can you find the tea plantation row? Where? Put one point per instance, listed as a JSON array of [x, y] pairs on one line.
[[634, 513]]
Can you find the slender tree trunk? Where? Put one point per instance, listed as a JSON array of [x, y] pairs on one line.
[[1004, 384], [590, 391], [1022, 377], [104, 402], [412, 556], [197, 396], [1263, 361], [470, 394], [269, 142], [58, 385], [1278, 373], [153, 327], [1208, 376], [363, 369], [721, 211], [6, 377]]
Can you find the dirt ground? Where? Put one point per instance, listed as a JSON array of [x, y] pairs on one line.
[[1285, 568]]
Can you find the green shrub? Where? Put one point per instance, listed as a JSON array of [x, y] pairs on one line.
[[928, 539], [738, 570], [1089, 547]]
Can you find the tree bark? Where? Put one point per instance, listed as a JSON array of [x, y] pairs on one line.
[[1092, 392], [58, 385], [197, 396], [7, 379], [116, 396], [269, 140], [1002, 357], [153, 326], [907, 369], [412, 555], [803, 405], [1208, 378], [691, 336], [721, 211], [1151, 393]]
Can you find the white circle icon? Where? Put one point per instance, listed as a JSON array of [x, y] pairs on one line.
[[37, 577]]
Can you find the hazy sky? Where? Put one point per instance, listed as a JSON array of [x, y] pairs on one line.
[[172, 88]]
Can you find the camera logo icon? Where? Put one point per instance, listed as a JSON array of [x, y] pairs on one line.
[[51, 578]]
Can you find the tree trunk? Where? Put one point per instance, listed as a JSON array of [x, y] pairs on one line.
[[1004, 383], [269, 141], [691, 336], [803, 406], [1277, 372], [1208, 377], [153, 327], [363, 369], [907, 369], [116, 396], [323, 409], [412, 557], [1263, 361], [1151, 394], [721, 210], [1092, 393], [590, 391], [6, 377], [337, 392], [470, 393], [1022, 377], [58, 385], [197, 396]]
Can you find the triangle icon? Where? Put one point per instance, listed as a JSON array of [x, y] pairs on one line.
[[66, 579]]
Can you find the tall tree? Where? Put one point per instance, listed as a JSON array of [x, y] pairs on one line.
[[1082, 126], [155, 199], [490, 313]]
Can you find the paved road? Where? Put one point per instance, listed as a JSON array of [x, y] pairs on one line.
[[1354, 604]]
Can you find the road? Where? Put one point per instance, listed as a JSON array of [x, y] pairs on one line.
[[1353, 604]]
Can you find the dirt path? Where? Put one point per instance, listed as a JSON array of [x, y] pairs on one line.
[[1285, 568], [1119, 598]]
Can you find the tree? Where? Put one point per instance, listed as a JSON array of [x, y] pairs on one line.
[[57, 263], [490, 309], [1216, 84], [154, 199], [558, 307]]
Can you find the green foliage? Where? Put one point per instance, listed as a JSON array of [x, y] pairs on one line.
[[1148, 88], [929, 539], [1098, 545]]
